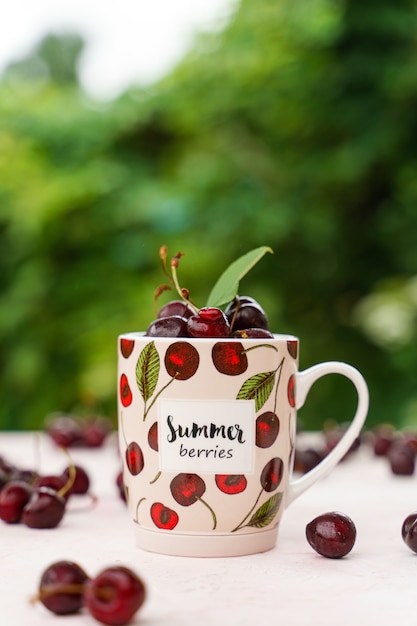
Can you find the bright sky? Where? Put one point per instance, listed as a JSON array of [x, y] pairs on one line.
[[128, 41]]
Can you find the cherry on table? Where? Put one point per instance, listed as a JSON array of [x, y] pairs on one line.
[[13, 498], [332, 535], [65, 430], [61, 587], [229, 357], [115, 595], [401, 459], [81, 483], [45, 509]]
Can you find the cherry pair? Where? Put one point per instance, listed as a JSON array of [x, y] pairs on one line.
[[112, 597]]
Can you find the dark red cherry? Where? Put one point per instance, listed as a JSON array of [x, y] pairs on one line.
[[173, 326], [210, 322], [187, 488], [13, 499], [401, 459], [65, 430], [267, 429], [181, 360], [271, 475], [407, 523], [53, 482], [253, 333], [45, 509], [125, 391], [126, 346], [292, 347], [176, 307], [231, 483], [61, 587], [115, 595], [153, 436], [81, 483], [245, 312], [163, 517], [134, 458], [121, 486], [229, 357], [332, 535]]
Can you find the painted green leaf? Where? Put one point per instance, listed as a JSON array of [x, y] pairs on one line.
[[227, 285], [258, 388], [147, 370], [266, 513]]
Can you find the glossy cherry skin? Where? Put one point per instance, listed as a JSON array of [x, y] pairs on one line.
[[13, 499], [81, 483], [45, 509], [210, 322], [245, 312], [115, 595], [173, 326], [61, 588], [176, 307], [332, 535]]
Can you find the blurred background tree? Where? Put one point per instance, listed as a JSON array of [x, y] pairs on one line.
[[293, 127]]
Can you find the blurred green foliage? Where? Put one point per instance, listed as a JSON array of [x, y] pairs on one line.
[[294, 126]]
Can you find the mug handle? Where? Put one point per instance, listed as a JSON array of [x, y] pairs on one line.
[[304, 382]]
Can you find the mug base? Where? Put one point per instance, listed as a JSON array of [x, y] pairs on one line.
[[203, 545]]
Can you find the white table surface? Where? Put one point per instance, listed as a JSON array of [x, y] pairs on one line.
[[290, 585]]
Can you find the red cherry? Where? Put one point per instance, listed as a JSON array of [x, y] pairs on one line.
[[210, 322], [267, 429], [134, 458], [292, 347], [126, 347], [61, 588], [231, 483], [125, 391], [45, 509], [163, 517], [271, 475], [115, 595], [13, 499], [153, 436], [291, 390], [181, 360], [187, 488], [229, 357]]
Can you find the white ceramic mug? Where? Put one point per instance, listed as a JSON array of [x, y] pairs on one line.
[[207, 434]]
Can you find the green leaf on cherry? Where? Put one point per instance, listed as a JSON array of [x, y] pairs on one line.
[[258, 387], [227, 285], [266, 513], [147, 370]]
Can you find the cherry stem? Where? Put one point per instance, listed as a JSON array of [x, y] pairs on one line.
[[158, 291], [184, 293], [242, 523], [210, 509], [280, 368], [137, 509], [156, 397], [72, 473], [52, 590], [151, 482]]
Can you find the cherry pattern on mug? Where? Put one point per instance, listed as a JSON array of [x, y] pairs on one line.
[[181, 361]]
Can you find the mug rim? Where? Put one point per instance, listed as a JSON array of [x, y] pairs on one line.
[[141, 335]]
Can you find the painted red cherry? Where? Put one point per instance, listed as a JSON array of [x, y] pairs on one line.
[[153, 436], [229, 357], [291, 390], [267, 429], [271, 475], [134, 458], [187, 488], [181, 360], [126, 347], [231, 483], [125, 391], [292, 347], [163, 517]]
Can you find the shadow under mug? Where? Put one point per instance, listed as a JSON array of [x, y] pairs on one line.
[[207, 433]]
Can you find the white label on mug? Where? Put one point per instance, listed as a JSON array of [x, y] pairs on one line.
[[207, 436]]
